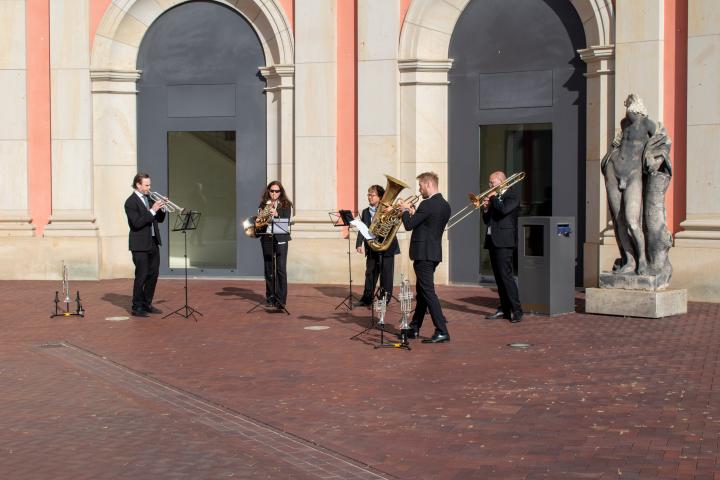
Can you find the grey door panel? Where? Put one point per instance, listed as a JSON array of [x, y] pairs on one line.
[[515, 62], [199, 63]]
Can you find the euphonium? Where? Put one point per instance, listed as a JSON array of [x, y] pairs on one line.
[[386, 224], [251, 225]]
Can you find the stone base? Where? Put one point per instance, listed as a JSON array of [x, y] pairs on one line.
[[632, 281], [635, 303]]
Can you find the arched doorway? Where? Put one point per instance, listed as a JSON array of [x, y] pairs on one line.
[[516, 101], [201, 114]]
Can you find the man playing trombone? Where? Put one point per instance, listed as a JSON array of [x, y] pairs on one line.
[[143, 218], [499, 213]]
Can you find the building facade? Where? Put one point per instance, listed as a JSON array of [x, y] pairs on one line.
[[215, 98]]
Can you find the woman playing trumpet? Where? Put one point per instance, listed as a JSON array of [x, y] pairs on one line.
[[274, 204]]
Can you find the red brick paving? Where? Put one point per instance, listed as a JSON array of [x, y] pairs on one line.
[[595, 397]]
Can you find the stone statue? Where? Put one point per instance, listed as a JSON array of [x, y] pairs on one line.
[[637, 173]]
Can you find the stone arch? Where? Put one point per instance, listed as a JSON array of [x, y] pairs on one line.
[[114, 76], [122, 29], [424, 64], [429, 24]]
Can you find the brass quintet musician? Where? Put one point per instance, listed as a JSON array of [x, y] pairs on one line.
[[144, 241], [373, 260], [427, 224], [274, 204], [499, 212]]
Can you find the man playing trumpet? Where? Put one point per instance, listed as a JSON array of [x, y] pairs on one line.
[[427, 224], [143, 219]]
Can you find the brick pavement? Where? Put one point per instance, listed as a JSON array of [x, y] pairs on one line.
[[595, 397]]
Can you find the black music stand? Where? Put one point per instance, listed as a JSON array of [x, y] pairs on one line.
[[342, 218], [276, 226], [186, 221]]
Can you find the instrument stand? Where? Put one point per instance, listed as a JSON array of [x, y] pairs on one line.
[[342, 218], [382, 295], [274, 228], [79, 312], [184, 222]]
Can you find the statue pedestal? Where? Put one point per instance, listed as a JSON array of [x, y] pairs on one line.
[[634, 282], [635, 303]]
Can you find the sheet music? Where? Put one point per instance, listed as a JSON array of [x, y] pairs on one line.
[[363, 229]]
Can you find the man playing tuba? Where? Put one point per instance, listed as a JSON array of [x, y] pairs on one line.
[[373, 260]]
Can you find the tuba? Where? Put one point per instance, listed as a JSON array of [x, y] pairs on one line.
[[386, 224]]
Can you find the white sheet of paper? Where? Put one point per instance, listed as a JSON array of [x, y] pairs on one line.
[[363, 229]]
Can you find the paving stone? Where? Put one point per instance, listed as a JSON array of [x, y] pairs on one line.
[[256, 395]]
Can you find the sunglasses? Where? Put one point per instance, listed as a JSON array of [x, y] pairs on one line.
[[274, 191]]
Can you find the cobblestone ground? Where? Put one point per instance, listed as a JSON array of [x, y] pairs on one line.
[[260, 395]]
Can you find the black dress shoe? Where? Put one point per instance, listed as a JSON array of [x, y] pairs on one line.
[[516, 317], [139, 313], [411, 333], [153, 309], [437, 338], [498, 314]]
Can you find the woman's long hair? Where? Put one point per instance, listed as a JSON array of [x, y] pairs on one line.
[[282, 199]]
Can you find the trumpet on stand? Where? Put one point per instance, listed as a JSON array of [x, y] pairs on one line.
[[405, 297], [79, 311], [381, 306]]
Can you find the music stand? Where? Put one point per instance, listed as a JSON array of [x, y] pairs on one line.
[[186, 221], [276, 226], [342, 218]]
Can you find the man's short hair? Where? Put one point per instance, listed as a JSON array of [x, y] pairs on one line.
[[139, 178], [428, 177], [380, 191]]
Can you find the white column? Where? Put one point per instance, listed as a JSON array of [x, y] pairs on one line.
[[114, 101], [71, 120], [14, 216], [639, 33], [315, 112], [424, 118], [600, 129], [280, 141], [424, 129], [378, 94], [702, 225]]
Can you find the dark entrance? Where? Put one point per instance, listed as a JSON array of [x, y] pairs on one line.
[[516, 102], [202, 132]]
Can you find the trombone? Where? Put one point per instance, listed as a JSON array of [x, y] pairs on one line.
[[476, 201], [169, 206]]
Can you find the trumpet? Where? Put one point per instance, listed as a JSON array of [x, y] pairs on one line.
[[169, 205], [477, 200]]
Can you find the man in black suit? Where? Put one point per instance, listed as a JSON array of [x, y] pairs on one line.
[[427, 224], [143, 219], [499, 213], [374, 259]]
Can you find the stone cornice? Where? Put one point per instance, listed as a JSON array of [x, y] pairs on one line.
[[279, 77], [425, 65], [700, 230], [599, 59], [114, 81], [418, 71]]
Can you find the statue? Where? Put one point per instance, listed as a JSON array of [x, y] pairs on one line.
[[637, 174]]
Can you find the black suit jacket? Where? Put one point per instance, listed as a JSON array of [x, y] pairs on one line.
[[501, 217], [140, 221], [394, 246], [427, 226]]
